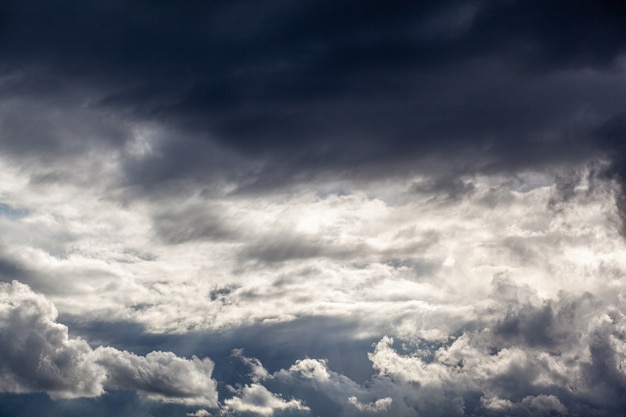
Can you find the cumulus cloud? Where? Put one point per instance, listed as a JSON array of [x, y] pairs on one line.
[[256, 399], [199, 413], [257, 371], [544, 404], [375, 407], [520, 354], [558, 373], [351, 398], [160, 376], [39, 356]]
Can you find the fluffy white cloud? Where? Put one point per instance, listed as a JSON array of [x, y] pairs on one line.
[[199, 413], [569, 348], [256, 399], [257, 372], [375, 407], [314, 373], [37, 355]]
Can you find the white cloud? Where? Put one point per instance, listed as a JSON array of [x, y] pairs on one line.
[[353, 398], [255, 398], [199, 413], [495, 403], [315, 373], [375, 407], [541, 356], [257, 372], [36, 352]]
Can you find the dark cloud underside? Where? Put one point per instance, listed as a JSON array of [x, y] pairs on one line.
[[333, 87]]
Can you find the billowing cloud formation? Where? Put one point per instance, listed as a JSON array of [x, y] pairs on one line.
[[377, 406], [160, 376], [532, 357], [519, 354], [39, 356], [199, 413], [568, 349]]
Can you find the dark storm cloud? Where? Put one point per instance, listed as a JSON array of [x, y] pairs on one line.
[[612, 137], [343, 88], [451, 188], [44, 116]]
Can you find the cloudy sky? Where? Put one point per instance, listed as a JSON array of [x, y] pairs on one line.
[[312, 208]]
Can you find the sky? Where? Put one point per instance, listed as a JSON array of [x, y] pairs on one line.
[[312, 208]]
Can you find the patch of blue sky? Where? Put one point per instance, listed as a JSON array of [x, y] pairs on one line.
[[11, 212]]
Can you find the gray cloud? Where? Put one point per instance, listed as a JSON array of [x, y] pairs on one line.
[[202, 222], [37, 354], [384, 91], [160, 376]]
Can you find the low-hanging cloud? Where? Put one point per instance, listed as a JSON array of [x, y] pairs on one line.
[[39, 356], [523, 355]]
